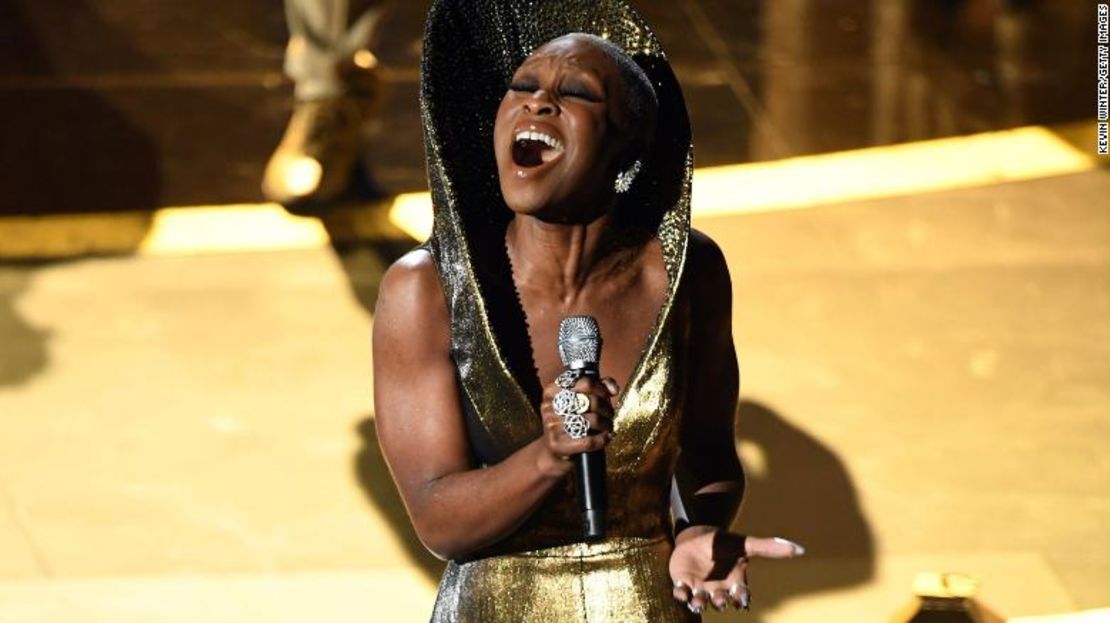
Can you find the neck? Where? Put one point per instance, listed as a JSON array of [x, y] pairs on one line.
[[559, 258]]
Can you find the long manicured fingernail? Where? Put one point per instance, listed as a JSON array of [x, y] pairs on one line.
[[746, 601], [692, 608], [797, 547]]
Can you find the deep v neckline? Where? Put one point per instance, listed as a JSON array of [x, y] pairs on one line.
[[634, 378]]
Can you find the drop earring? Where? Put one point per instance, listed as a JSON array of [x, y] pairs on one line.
[[624, 178]]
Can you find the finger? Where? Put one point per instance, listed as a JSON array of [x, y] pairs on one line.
[[719, 598], [699, 599], [611, 384], [743, 591], [599, 404], [586, 383], [681, 591], [554, 431], [720, 593], [597, 394], [736, 591], [593, 385], [599, 422], [601, 401], [598, 441], [557, 440], [589, 443], [740, 596], [772, 548], [602, 406], [734, 585]]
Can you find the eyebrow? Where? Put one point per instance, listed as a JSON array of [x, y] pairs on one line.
[[589, 70], [572, 59]]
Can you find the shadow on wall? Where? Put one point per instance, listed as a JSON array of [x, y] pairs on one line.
[[23, 354], [801, 491], [374, 477], [66, 147], [993, 65]]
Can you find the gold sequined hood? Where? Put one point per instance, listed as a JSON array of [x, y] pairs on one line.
[[471, 49]]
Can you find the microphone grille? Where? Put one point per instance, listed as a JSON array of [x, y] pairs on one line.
[[579, 341]]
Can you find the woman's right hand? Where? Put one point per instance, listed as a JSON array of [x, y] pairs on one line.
[[557, 446]]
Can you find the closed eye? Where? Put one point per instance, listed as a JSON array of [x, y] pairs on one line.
[[584, 94], [523, 87], [576, 88]]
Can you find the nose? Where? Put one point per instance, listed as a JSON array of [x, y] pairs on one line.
[[540, 103]]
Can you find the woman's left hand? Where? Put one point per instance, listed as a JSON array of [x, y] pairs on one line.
[[710, 565]]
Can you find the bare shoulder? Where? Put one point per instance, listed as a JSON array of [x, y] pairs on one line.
[[704, 253], [706, 268], [410, 297]]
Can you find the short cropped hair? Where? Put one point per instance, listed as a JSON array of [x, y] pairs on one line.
[[643, 104]]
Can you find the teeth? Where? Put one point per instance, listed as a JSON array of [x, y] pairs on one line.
[[550, 141]]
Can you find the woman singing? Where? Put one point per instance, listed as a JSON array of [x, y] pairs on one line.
[[560, 168]]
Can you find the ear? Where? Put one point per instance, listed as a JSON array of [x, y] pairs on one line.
[[632, 145], [625, 139], [637, 138]]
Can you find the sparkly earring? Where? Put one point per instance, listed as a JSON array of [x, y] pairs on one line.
[[624, 178]]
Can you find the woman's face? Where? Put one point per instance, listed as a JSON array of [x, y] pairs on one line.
[[560, 132]]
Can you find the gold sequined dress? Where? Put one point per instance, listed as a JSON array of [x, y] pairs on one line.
[[543, 571]]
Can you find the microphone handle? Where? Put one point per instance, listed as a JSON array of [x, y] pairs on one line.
[[589, 472]]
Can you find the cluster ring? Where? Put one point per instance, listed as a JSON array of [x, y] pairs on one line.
[[569, 402], [571, 405], [576, 426], [567, 378]]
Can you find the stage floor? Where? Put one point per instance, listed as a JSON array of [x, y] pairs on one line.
[[926, 384], [186, 424]]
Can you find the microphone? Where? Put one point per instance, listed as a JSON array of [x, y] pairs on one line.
[[580, 349]]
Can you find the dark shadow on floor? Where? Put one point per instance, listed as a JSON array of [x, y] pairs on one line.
[[23, 352], [377, 483], [803, 492], [364, 259]]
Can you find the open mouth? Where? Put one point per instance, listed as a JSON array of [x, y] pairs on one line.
[[532, 149]]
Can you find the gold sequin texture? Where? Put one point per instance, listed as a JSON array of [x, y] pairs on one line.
[[543, 572]]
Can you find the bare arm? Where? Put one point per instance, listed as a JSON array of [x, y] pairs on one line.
[[709, 564], [455, 507], [709, 476]]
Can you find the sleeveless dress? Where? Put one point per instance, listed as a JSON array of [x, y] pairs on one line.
[[543, 571]]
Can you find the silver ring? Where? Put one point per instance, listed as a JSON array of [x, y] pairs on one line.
[[576, 426], [567, 378], [568, 402]]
